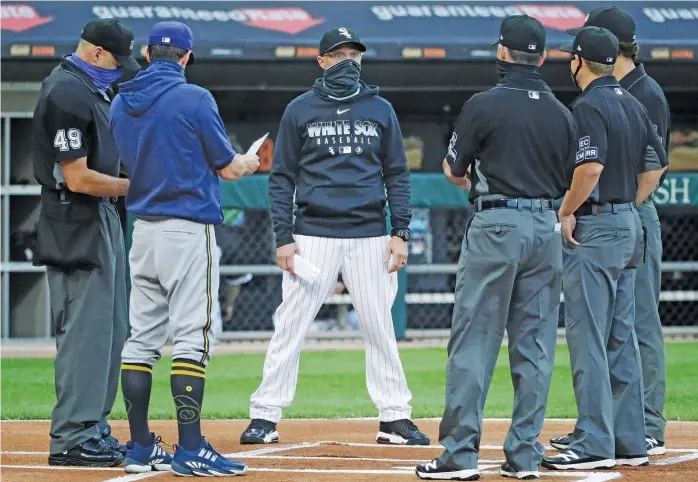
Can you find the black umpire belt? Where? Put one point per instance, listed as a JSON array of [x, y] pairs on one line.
[[591, 209], [514, 203]]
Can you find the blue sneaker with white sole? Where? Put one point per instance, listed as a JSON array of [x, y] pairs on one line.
[[205, 462], [146, 458]]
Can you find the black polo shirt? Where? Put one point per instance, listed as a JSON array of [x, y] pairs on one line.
[[614, 129], [517, 138], [71, 120], [645, 89]]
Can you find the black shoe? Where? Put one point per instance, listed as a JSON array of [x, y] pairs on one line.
[[436, 470], [90, 453], [560, 443], [260, 432], [573, 460], [654, 446], [632, 460], [507, 470], [112, 442], [401, 432]]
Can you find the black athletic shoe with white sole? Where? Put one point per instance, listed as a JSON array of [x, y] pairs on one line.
[[632, 460], [654, 446], [507, 470], [573, 460], [259, 432], [436, 470], [91, 453], [560, 443], [401, 432]]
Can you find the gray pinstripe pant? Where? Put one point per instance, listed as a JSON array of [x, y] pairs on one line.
[[372, 289]]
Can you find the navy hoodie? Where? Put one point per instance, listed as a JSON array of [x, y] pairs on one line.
[[171, 141], [339, 157]]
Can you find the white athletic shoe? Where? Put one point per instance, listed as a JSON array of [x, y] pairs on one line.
[[654, 446]]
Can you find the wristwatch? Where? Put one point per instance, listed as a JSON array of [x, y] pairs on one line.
[[402, 233]]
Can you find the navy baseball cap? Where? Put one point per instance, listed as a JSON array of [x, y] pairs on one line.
[[522, 33], [337, 37], [614, 19], [114, 37], [595, 44], [175, 34]]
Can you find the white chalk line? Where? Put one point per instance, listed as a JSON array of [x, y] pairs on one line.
[[595, 477], [55, 467], [274, 449], [132, 477], [677, 460]]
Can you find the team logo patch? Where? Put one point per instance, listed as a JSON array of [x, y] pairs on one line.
[[344, 31], [532, 94]]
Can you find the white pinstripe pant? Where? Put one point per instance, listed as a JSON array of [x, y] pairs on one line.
[[373, 291]]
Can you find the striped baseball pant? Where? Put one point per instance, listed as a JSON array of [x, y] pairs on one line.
[[174, 278], [372, 291]]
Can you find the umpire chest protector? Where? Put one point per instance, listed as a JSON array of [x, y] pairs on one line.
[[71, 121]]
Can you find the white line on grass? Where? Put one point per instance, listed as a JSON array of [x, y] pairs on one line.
[[677, 460]]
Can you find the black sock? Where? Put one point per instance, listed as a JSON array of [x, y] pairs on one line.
[[187, 380], [136, 382]]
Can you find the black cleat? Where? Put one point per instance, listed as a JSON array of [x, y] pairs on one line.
[[260, 432], [436, 470], [573, 460], [112, 442], [654, 446], [401, 432], [90, 453], [507, 470], [560, 443]]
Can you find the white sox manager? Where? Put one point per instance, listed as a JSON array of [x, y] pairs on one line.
[[339, 149]]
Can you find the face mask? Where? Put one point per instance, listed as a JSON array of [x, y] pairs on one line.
[[342, 79], [574, 75], [102, 78]]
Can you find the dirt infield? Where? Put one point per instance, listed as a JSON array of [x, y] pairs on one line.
[[332, 450]]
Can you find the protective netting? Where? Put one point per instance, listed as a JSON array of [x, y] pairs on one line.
[[248, 301]]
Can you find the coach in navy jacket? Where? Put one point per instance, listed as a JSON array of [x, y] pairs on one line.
[[340, 151]]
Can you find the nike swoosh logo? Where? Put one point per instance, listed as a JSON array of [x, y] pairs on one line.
[[342, 111]]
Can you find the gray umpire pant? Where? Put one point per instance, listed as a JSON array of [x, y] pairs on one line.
[[90, 319], [599, 287], [509, 277], [648, 326]]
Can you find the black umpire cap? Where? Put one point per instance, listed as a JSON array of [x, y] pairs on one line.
[[595, 44], [114, 37], [614, 19], [522, 33], [339, 36]]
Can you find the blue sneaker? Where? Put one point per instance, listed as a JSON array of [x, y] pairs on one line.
[[145, 458], [205, 462]]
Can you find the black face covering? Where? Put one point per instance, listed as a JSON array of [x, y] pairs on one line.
[[574, 75], [342, 79]]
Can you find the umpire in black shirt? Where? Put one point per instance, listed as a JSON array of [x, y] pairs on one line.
[[648, 326], [514, 142], [80, 241], [616, 146]]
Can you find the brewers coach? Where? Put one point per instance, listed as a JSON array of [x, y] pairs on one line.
[[80, 240], [510, 270], [648, 325], [618, 149]]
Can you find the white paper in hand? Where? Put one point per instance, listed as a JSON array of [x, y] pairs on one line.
[[305, 269], [256, 145]]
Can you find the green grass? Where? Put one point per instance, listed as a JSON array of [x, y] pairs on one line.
[[331, 384]]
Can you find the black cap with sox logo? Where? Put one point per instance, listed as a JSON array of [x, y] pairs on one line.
[[614, 19], [114, 37], [339, 36]]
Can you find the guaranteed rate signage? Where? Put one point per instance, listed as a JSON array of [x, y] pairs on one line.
[[252, 30]]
